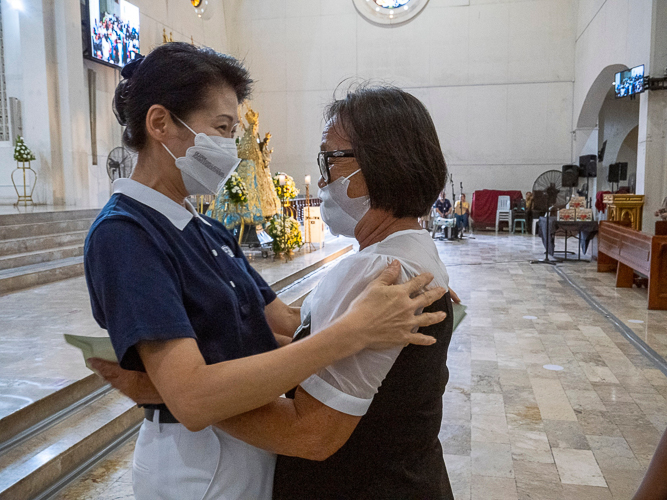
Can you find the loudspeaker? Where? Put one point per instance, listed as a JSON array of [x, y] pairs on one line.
[[614, 173], [623, 171], [588, 166], [570, 175]]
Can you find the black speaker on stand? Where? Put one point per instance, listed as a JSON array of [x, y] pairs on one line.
[[588, 167], [570, 176], [614, 175]]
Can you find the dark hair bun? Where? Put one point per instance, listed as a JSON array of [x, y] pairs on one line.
[[119, 104]]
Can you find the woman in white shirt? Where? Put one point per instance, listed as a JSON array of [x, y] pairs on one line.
[[382, 168]]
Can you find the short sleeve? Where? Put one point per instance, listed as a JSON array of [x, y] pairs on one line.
[[349, 385], [134, 288]]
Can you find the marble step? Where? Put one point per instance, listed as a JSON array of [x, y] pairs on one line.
[[50, 456], [40, 256], [44, 228], [19, 278], [35, 243], [35, 416], [43, 217]]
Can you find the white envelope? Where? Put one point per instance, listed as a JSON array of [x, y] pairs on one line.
[[93, 347]]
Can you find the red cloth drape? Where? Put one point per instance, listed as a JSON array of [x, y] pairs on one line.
[[485, 204]]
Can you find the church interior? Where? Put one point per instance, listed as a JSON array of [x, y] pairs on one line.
[[550, 221]]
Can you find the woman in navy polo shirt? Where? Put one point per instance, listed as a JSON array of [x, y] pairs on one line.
[[180, 301]]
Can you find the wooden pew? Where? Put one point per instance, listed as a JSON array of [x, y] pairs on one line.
[[625, 250]]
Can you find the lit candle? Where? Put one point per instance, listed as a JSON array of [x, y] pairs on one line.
[[281, 179], [308, 180]]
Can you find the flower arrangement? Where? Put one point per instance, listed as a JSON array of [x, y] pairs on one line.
[[289, 190], [22, 152], [236, 189], [286, 233]]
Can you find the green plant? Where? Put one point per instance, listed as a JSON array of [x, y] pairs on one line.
[[286, 233], [236, 189], [22, 152]]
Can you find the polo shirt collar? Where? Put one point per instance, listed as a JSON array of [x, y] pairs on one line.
[[178, 215]]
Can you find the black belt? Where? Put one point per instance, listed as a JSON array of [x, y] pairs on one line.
[[165, 416]]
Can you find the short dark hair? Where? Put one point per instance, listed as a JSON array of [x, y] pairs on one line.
[[178, 76], [396, 146]]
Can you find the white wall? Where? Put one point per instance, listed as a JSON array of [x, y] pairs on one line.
[[617, 34], [46, 70], [497, 77]]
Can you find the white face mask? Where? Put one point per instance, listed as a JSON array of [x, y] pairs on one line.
[[340, 212], [208, 164]]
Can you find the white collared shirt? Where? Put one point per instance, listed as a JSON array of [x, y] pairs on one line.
[[349, 385], [179, 215]]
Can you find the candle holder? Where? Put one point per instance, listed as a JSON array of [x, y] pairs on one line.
[[307, 236]]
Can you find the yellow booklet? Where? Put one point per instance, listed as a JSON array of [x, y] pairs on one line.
[[93, 347]]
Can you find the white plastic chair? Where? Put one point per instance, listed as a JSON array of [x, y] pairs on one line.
[[504, 212]]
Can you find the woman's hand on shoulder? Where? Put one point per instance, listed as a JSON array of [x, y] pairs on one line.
[[384, 314]]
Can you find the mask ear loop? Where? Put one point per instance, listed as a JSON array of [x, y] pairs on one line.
[[169, 151], [186, 125], [353, 173], [368, 199]]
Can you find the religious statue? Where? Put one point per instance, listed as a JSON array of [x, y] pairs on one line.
[[254, 171], [662, 211]]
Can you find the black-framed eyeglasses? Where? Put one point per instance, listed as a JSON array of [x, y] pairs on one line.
[[323, 161]]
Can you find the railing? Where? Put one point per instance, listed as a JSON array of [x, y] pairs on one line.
[[298, 206], [295, 208]]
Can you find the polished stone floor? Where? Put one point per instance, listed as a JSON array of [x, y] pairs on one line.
[[513, 429]]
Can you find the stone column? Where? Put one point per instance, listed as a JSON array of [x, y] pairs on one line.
[[652, 143]]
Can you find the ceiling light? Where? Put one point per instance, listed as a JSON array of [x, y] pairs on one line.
[[16, 4]]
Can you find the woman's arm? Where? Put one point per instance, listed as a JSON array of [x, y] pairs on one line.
[[300, 427], [654, 485], [283, 320], [200, 395]]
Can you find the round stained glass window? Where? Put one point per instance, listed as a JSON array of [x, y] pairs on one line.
[[391, 4], [389, 12]]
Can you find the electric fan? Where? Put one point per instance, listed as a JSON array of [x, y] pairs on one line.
[[548, 191], [120, 163]]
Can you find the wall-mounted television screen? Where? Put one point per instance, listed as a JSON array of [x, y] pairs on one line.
[[629, 82], [114, 32]]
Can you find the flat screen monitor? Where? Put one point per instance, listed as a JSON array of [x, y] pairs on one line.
[[629, 82], [113, 36]]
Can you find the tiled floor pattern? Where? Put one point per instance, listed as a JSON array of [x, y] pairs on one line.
[[511, 428], [627, 304]]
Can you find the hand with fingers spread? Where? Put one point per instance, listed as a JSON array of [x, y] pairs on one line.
[[385, 315]]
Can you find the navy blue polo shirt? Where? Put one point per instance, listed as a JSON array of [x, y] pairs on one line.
[[158, 271]]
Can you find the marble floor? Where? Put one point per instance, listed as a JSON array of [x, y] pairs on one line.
[[513, 427], [35, 361]]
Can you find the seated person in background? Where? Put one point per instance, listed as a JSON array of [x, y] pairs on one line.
[[461, 213], [443, 206]]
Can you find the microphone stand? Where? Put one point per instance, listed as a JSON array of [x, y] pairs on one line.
[[546, 253]]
